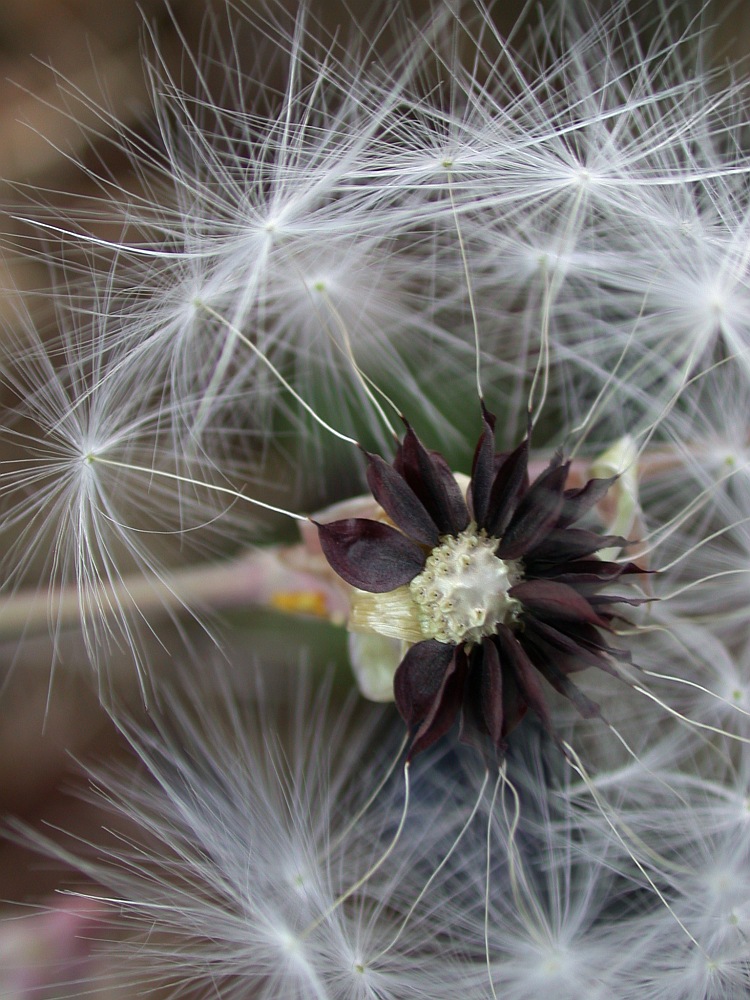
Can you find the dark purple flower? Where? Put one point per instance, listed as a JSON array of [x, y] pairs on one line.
[[492, 592]]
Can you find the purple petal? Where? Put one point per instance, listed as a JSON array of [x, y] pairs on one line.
[[589, 637], [492, 704], [564, 544], [584, 570], [429, 476], [513, 654], [511, 479], [536, 514], [578, 502], [483, 470], [370, 555], [492, 692], [584, 705], [419, 678], [569, 652], [442, 717], [399, 501], [473, 729], [514, 705], [602, 600], [546, 650], [428, 690], [548, 599]]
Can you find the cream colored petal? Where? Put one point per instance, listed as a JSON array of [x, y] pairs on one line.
[[622, 502], [394, 614], [374, 660]]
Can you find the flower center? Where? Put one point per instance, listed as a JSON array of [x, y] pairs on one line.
[[462, 593]]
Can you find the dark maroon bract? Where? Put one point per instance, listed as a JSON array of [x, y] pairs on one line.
[[494, 592]]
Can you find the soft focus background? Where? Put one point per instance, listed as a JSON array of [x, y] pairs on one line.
[[49, 53], [95, 48]]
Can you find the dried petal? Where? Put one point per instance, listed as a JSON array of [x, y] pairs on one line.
[[581, 571], [419, 677], [578, 502], [512, 653], [428, 692], [483, 470], [511, 479], [563, 544], [400, 502], [429, 476], [492, 692], [548, 599], [584, 705], [568, 650], [473, 728], [370, 555], [536, 514]]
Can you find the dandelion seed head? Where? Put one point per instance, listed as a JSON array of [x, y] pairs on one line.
[[81, 508], [241, 837], [289, 943], [584, 176], [553, 965]]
